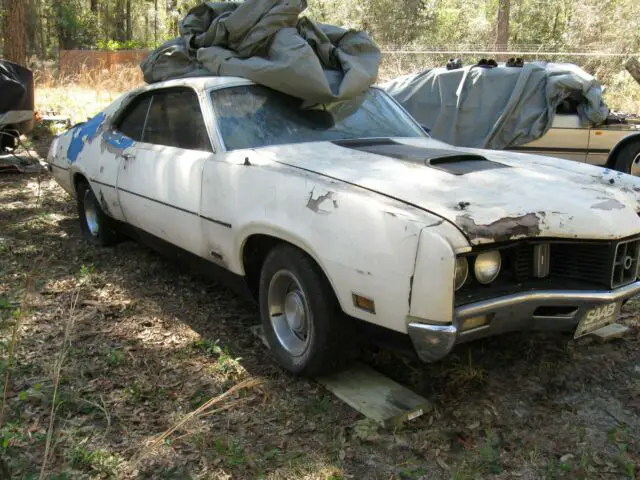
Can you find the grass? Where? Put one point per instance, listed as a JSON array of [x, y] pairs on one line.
[[83, 95]]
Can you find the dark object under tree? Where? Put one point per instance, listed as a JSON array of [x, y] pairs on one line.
[[16, 102]]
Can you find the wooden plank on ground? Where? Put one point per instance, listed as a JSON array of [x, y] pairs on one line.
[[375, 395], [633, 67], [371, 393], [614, 330]]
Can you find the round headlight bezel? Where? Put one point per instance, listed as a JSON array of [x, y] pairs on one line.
[[462, 269], [484, 260]]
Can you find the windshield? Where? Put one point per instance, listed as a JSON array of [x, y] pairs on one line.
[[254, 116]]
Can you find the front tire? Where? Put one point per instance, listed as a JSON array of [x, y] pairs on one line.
[[628, 159], [96, 226], [301, 317]]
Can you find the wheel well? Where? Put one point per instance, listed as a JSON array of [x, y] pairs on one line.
[[611, 158], [78, 178], [255, 251]]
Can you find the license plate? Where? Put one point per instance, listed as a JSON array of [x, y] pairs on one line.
[[597, 317]]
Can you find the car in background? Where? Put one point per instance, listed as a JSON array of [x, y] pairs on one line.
[[614, 144], [349, 214], [17, 115]]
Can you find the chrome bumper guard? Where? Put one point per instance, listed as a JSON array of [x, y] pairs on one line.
[[517, 312]]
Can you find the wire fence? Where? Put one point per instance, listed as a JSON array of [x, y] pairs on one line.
[[595, 51]]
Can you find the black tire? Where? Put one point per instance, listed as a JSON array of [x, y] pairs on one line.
[[624, 160], [105, 234], [327, 325], [8, 140]]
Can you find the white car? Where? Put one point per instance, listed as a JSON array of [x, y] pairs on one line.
[[350, 213]]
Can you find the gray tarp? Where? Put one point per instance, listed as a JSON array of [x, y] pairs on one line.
[[496, 107], [266, 42]]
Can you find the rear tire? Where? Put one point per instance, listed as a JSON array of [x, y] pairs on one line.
[[301, 318], [628, 159], [97, 228], [8, 140]]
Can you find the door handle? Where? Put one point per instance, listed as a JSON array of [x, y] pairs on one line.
[[128, 156]]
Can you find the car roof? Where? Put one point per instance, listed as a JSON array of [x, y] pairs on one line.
[[200, 83]]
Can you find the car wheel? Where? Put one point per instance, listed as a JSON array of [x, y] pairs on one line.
[[301, 317], [96, 227], [628, 159], [8, 140]]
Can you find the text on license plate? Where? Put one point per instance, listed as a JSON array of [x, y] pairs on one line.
[[597, 317]]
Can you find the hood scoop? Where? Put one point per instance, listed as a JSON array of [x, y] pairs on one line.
[[450, 161]]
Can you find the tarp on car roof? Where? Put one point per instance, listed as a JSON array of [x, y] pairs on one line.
[[16, 94], [496, 107], [268, 42]]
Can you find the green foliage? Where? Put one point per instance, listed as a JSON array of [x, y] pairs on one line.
[[116, 357], [98, 460], [114, 45], [74, 23]]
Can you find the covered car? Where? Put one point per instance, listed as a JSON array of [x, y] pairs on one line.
[[16, 102], [348, 212], [553, 109]]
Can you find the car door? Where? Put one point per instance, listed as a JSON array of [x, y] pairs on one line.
[[118, 143], [159, 188], [602, 139], [565, 139]]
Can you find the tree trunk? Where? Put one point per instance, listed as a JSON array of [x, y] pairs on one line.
[[633, 67], [129, 20], [155, 23], [120, 18], [15, 32], [502, 25], [94, 6]]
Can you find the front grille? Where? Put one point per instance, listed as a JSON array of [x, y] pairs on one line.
[[574, 265], [588, 262], [625, 265]]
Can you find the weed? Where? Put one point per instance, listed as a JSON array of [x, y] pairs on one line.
[[321, 404], [116, 357], [467, 374], [619, 437], [86, 273], [231, 450], [208, 346], [98, 460], [411, 473], [490, 458]]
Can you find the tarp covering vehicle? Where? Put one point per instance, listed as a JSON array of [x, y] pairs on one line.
[[267, 42], [16, 101], [499, 107]]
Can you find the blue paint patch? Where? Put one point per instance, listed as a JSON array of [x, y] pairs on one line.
[[82, 134], [117, 140]]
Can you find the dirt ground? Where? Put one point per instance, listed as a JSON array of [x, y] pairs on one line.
[[144, 343]]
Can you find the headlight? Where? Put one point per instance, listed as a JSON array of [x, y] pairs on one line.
[[487, 266], [462, 272]]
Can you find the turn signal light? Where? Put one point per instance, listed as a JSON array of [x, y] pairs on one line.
[[474, 322], [364, 303]]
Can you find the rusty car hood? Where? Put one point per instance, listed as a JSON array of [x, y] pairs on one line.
[[491, 196]]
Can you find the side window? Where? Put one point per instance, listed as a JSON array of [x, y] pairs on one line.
[[132, 121], [175, 120]]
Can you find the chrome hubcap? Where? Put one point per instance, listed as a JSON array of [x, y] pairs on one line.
[[635, 166], [90, 214], [289, 312]]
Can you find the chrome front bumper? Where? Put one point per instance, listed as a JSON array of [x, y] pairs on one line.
[[517, 312]]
